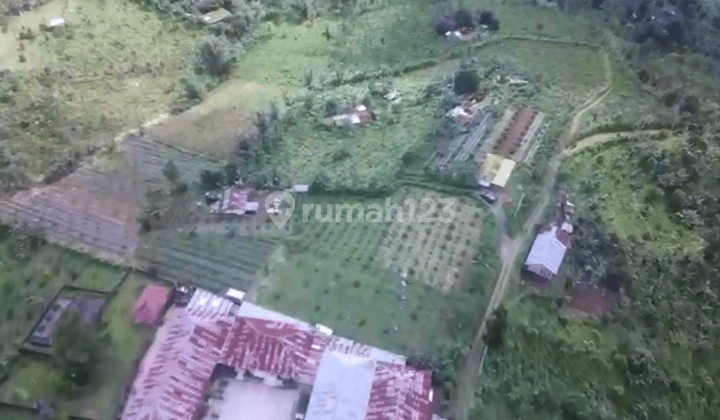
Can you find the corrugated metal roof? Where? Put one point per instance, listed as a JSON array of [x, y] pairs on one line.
[[547, 251], [342, 388], [151, 304], [175, 372]]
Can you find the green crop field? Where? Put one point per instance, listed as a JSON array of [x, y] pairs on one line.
[[36, 379], [625, 196], [335, 273], [31, 275]]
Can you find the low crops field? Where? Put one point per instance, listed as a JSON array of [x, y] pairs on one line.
[[352, 277], [33, 379], [435, 251], [210, 260], [609, 178]]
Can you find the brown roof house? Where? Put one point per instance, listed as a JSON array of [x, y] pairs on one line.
[[151, 305]]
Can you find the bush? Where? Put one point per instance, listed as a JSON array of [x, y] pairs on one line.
[[466, 82], [215, 56], [464, 19]]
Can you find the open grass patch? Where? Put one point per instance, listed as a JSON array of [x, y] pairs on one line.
[[566, 74], [627, 199], [115, 32]]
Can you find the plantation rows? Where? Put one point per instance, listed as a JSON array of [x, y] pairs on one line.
[[435, 252], [460, 149], [150, 158], [211, 261], [105, 238]]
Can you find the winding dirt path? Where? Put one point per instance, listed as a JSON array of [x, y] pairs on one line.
[[511, 249]]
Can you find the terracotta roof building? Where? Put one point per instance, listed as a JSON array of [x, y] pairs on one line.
[[176, 372], [149, 308]]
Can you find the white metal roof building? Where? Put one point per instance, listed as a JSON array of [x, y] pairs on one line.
[[546, 254]]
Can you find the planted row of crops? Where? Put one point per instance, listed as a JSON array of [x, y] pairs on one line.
[[435, 252], [459, 150], [73, 218], [212, 261], [150, 157]]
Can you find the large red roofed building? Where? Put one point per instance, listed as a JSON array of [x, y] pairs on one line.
[[149, 308], [175, 375]]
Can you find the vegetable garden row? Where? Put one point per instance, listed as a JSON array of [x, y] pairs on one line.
[[211, 261]]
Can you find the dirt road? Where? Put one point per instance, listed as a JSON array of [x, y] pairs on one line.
[[510, 251]]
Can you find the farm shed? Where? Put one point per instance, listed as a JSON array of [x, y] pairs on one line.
[[546, 254], [234, 202], [216, 16], [150, 306], [497, 170]]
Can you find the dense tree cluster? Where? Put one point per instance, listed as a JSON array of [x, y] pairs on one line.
[[464, 19]]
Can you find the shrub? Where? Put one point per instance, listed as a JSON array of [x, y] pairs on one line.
[[444, 26], [464, 19], [466, 82], [215, 56]]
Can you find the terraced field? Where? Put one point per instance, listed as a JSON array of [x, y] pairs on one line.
[[211, 260]]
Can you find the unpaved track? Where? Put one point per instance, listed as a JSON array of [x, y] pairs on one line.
[[470, 373]]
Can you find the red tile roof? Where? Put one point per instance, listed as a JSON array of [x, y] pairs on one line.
[[176, 371], [149, 307], [400, 393], [179, 369]]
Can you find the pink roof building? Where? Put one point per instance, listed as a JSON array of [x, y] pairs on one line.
[[175, 374], [150, 306]]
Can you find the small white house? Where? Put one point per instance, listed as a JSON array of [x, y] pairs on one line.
[[546, 254]]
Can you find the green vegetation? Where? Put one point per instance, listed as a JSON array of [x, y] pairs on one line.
[[34, 379], [562, 76], [330, 271], [31, 273], [359, 158], [114, 33], [625, 197]]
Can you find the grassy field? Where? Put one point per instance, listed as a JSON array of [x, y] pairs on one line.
[[34, 379], [357, 157], [566, 75], [332, 270], [113, 33], [626, 198], [29, 282]]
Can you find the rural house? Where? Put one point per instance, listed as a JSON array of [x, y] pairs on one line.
[[548, 250]]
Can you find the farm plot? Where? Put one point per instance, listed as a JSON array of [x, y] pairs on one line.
[[332, 273], [448, 157], [434, 252], [148, 159], [76, 219], [31, 274], [209, 260]]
